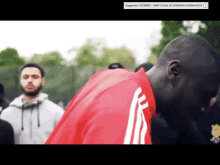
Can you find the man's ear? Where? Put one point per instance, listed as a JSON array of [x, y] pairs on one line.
[[174, 69]]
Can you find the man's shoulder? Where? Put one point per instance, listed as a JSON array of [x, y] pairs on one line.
[[53, 106], [117, 97], [111, 74], [121, 79], [7, 111]]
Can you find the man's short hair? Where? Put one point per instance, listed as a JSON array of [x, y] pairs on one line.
[[115, 66], [147, 66], [34, 65]]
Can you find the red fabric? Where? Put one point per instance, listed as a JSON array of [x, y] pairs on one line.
[[100, 111]]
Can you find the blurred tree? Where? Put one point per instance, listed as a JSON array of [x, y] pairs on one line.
[[10, 57], [53, 58], [210, 30], [86, 54], [96, 53], [36, 58], [169, 31], [121, 55], [152, 58]]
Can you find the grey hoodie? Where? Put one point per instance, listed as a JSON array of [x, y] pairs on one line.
[[32, 121]]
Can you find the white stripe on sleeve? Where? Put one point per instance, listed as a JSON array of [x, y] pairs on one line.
[[144, 129], [139, 120], [130, 126]]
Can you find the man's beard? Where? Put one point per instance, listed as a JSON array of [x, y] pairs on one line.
[[34, 93]]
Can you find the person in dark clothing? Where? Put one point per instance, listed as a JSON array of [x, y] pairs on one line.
[[147, 66], [6, 130], [115, 66], [6, 133], [182, 110], [161, 133], [198, 131], [4, 103], [208, 123]]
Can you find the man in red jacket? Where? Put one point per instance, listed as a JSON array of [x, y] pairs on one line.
[[116, 106]]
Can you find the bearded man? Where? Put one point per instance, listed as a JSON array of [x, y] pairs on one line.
[[32, 115]]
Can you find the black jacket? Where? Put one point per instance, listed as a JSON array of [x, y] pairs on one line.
[[6, 133], [4, 103], [161, 133], [198, 131], [6, 130]]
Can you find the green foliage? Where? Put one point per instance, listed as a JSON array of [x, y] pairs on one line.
[[53, 58], [10, 57], [87, 55], [36, 58], [152, 59], [210, 30], [121, 55], [169, 31]]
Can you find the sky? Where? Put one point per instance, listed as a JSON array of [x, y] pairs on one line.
[[38, 37]]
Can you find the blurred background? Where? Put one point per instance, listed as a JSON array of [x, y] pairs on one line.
[[72, 51]]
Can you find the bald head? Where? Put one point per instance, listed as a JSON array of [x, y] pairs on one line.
[[191, 50], [186, 74]]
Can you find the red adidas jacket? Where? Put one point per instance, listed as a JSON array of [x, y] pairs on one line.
[[114, 107]]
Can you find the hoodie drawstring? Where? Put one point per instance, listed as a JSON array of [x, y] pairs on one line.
[[38, 113], [22, 116], [22, 127]]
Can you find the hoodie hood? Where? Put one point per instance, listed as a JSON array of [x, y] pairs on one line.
[[17, 102]]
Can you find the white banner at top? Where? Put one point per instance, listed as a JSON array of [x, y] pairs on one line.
[[166, 5]]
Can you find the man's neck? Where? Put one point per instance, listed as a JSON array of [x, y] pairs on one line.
[[152, 78], [28, 98]]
